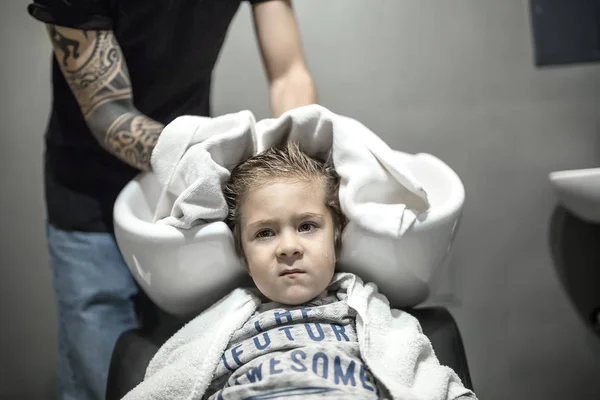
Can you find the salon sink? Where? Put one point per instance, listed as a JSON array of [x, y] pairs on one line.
[[579, 192], [185, 271]]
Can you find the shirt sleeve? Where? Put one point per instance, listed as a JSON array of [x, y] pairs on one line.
[[78, 14]]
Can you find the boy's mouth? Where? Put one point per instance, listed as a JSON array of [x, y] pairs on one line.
[[291, 272]]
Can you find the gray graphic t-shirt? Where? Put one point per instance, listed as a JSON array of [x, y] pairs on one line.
[[304, 352]]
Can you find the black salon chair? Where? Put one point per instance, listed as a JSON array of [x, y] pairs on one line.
[[135, 348]]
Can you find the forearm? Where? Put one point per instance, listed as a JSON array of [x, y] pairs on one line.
[[281, 50], [292, 90], [93, 66], [125, 132]]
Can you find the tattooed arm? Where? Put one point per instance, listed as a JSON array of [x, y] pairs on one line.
[[93, 66]]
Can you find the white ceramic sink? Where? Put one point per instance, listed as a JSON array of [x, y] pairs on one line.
[[185, 271], [579, 191]]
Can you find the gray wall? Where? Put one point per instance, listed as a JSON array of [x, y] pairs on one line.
[[454, 79], [27, 313]]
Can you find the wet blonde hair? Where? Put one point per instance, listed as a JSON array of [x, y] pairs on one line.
[[287, 161]]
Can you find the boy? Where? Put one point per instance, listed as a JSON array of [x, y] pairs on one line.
[[306, 333]]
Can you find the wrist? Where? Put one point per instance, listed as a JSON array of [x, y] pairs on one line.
[[293, 90]]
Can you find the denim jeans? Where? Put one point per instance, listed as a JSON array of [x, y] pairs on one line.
[[94, 290]]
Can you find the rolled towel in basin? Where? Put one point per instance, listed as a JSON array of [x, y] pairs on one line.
[[194, 155]]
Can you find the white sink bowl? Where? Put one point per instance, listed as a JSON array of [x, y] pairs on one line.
[[185, 271], [405, 269], [579, 191]]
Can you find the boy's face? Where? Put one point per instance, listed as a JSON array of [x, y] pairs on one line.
[[287, 237]]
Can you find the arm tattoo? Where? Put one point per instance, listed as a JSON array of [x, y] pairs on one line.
[[95, 69], [62, 43], [132, 137]]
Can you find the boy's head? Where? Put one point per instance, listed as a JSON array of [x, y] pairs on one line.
[[287, 223]]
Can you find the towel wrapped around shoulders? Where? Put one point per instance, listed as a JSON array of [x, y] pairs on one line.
[[391, 343]]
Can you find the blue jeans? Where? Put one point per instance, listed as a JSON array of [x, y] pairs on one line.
[[94, 291]]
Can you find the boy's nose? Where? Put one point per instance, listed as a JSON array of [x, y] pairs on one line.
[[289, 246]]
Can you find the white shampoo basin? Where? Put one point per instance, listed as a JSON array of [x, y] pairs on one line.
[[185, 271], [579, 191], [404, 269]]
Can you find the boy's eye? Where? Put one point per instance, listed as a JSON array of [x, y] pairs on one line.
[[264, 233], [307, 227]]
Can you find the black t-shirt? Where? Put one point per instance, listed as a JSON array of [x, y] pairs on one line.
[[170, 47]]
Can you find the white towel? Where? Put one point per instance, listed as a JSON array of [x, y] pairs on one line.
[[391, 344], [194, 156]]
